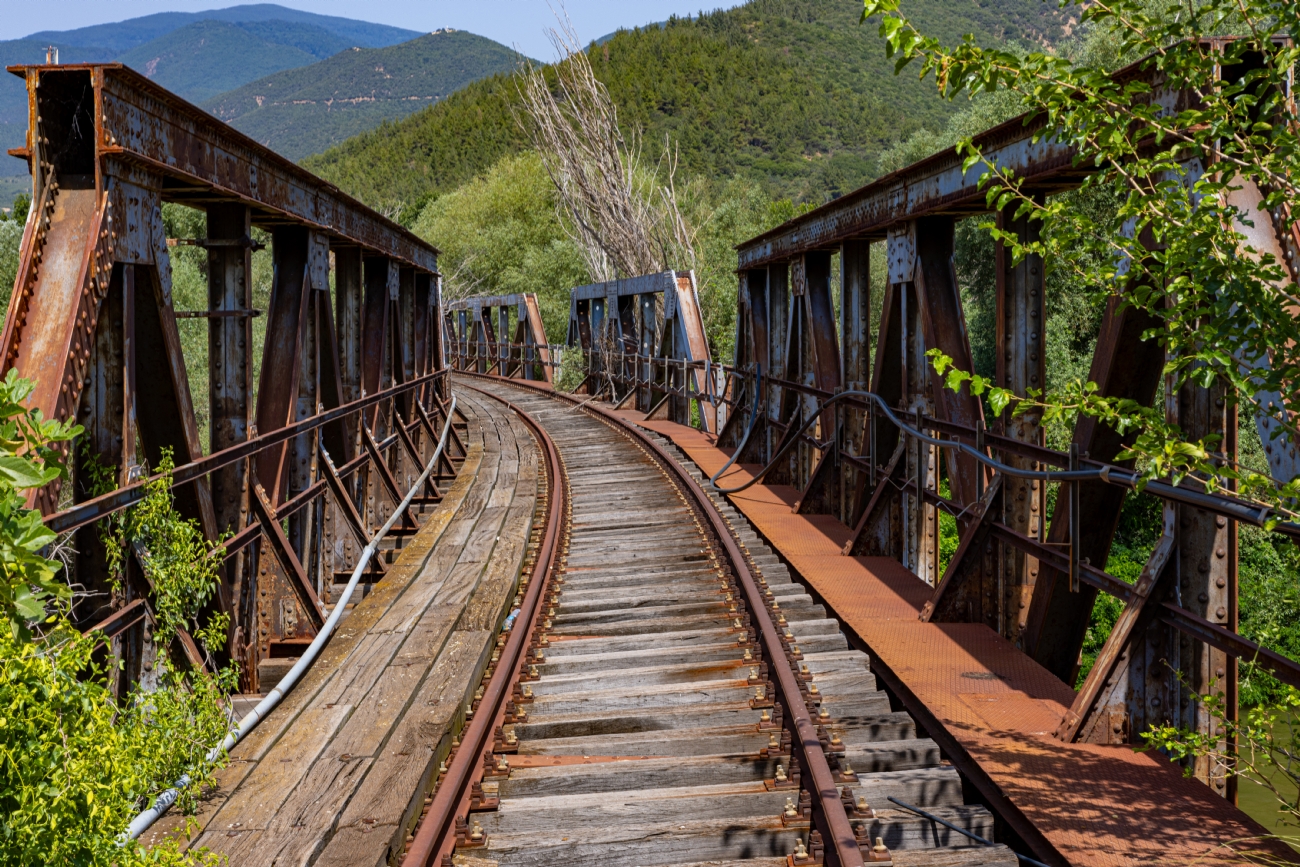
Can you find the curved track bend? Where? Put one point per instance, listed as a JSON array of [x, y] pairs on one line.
[[638, 735], [337, 773]]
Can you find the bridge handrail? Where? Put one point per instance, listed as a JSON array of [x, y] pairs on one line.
[[974, 442], [89, 511], [163, 802], [1285, 669]]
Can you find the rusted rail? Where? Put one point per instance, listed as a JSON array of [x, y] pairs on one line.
[[822, 822], [435, 836]]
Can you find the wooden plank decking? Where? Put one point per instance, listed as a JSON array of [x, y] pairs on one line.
[[339, 771]]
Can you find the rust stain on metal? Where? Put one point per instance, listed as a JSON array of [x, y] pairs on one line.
[[1097, 805]]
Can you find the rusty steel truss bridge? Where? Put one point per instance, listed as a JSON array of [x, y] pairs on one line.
[[694, 612]]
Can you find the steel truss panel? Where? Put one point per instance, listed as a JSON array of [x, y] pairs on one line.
[[91, 323], [139, 122]]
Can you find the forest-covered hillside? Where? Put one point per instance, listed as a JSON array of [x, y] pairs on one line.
[[793, 93], [307, 109]]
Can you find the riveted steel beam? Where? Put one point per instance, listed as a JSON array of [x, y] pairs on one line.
[[199, 158]]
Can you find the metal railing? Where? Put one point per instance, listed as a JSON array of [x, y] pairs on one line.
[[851, 425], [164, 801], [624, 377], [340, 475]]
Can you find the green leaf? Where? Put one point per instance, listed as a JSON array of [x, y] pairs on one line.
[[22, 473]]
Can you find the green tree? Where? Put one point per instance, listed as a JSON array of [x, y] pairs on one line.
[[11, 238], [28, 459], [1186, 260], [499, 234]]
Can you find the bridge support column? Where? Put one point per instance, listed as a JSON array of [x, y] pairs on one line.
[[109, 442], [381, 277], [751, 353], [855, 333], [881, 525], [778, 319], [1148, 672], [819, 362], [281, 373], [230, 344], [348, 294], [1125, 366], [230, 394], [1021, 365], [649, 328], [920, 521]]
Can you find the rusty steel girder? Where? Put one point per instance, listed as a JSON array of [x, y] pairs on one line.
[[1031, 577], [645, 343], [300, 470]]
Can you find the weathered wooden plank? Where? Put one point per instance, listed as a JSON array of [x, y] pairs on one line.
[[299, 828], [399, 776], [260, 793], [391, 649]]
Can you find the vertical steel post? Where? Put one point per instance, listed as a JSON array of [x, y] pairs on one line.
[[101, 412], [230, 339], [230, 393], [347, 319], [1020, 350], [1075, 520], [277, 392], [649, 327], [855, 334], [778, 318]]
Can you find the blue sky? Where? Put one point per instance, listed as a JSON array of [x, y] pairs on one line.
[[517, 23]]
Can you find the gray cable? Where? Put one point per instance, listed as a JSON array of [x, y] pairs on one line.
[[164, 801]]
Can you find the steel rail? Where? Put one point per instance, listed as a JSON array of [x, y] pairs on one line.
[[163, 802], [826, 796], [434, 833], [93, 509], [827, 806]]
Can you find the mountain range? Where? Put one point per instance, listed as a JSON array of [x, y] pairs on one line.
[[240, 62], [796, 94], [303, 111]]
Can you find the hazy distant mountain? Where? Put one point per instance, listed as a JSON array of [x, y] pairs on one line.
[[196, 54], [306, 110], [121, 36], [203, 59]]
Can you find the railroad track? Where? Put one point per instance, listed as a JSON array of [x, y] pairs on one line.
[[641, 710]]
